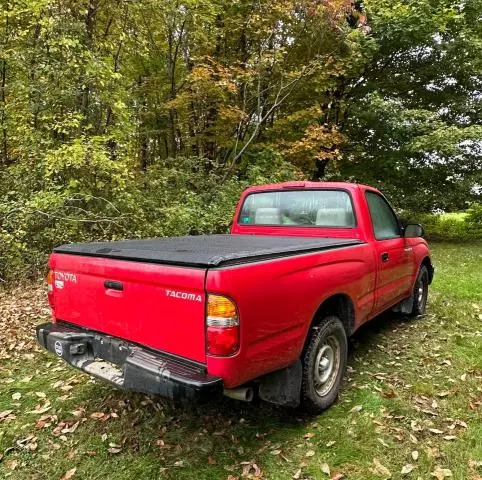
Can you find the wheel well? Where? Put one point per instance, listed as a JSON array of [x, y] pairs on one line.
[[426, 261], [340, 305]]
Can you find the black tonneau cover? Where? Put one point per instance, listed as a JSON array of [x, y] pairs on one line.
[[205, 250]]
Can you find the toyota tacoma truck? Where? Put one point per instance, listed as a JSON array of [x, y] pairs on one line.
[[265, 310]]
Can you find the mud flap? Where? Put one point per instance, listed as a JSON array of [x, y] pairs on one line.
[[283, 386], [405, 306]]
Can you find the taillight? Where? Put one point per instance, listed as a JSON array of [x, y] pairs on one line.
[[222, 332], [50, 291]]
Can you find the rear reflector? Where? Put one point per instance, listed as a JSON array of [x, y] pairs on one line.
[[222, 332], [50, 291]]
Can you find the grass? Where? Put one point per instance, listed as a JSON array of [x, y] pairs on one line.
[[412, 386]]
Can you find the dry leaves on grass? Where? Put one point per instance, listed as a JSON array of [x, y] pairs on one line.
[[21, 309], [380, 470], [68, 474], [325, 468], [406, 469], [356, 409], [251, 470], [441, 473]]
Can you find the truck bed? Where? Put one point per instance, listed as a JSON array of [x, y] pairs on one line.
[[204, 251]]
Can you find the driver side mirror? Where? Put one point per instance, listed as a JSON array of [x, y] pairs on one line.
[[413, 230]]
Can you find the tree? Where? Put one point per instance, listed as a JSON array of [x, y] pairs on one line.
[[415, 112]]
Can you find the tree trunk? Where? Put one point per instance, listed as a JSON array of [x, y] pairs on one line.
[[3, 99]]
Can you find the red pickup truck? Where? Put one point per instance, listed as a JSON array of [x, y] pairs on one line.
[[267, 308]]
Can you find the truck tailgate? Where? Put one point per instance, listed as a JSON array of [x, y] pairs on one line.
[[160, 306]]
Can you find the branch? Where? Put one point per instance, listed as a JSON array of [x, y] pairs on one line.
[[279, 99]]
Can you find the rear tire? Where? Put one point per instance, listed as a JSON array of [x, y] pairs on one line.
[[420, 292], [324, 363]]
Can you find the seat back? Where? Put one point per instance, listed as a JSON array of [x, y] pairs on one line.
[[267, 216], [333, 217]]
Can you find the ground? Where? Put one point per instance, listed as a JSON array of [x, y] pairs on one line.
[[411, 406]]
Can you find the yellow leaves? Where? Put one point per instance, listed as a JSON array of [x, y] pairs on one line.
[[231, 113], [212, 78], [319, 142]]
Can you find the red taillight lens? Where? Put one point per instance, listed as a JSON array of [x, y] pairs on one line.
[[50, 291], [222, 332]]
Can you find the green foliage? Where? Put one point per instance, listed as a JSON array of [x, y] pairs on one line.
[[473, 221], [414, 125], [121, 118], [462, 226], [81, 195]]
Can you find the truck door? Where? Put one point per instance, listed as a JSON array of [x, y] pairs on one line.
[[392, 253]]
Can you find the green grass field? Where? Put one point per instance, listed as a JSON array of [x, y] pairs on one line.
[[411, 406]]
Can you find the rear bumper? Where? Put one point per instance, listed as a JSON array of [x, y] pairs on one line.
[[129, 366]]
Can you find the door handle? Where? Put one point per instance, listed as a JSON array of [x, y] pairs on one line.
[[385, 257], [112, 285]]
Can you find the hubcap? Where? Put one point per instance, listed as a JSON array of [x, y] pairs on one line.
[[420, 293], [326, 366]]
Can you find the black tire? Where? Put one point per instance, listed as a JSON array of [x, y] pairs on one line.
[[420, 292], [324, 357]]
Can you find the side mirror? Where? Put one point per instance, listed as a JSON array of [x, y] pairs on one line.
[[413, 230]]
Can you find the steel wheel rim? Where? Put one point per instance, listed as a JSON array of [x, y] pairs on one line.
[[326, 365], [422, 291]]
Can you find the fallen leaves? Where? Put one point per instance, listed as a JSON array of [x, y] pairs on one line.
[[97, 415], [40, 409], [380, 469], [406, 469], [7, 416], [400, 441], [251, 470], [114, 448], [68, 474], [12, 464], [441, 473], [356, 409]]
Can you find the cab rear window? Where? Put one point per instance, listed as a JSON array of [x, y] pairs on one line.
[[318, 208]]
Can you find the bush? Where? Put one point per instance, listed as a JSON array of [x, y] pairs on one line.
[[473, 221], [449, 226], [78, 193]]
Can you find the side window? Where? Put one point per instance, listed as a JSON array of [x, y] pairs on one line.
[[385, 223]]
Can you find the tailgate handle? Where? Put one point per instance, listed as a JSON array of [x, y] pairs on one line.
[[113, 285]]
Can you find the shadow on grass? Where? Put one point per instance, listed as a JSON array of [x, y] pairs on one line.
[[230, 428], [161, 440]]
